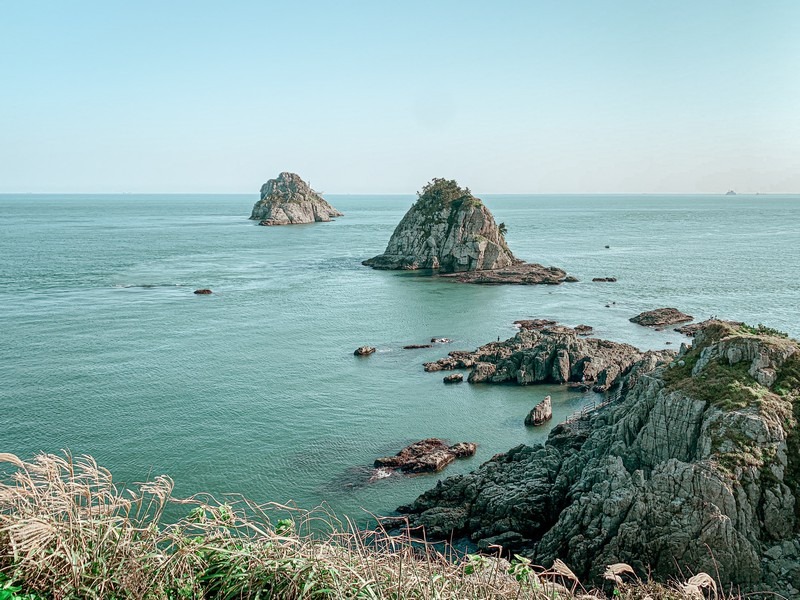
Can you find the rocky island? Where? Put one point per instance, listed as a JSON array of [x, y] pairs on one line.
[[450, 231], [693, 464], [288, 200]]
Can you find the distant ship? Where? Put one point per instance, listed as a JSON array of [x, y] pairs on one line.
[[730, 193]]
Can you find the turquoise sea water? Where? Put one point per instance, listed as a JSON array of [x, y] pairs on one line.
[[105, 350]]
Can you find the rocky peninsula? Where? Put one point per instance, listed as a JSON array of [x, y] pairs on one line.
[[288, 200], [692, 465], [450, 231]]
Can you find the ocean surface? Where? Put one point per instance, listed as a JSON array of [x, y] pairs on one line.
[[105, 350]]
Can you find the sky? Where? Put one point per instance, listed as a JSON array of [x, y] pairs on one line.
[[602, 96]]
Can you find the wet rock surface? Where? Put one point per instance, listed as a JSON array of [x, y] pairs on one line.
[[364, 351], [288, 200], [453, 378], [426, 456], [660, 317], [693, 466]]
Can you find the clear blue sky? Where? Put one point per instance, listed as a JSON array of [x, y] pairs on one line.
[[379, 97]]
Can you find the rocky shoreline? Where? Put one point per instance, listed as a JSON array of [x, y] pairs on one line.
[[693, 464]]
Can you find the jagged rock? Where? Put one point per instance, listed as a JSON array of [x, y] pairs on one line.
[[447, 229], [453, 378], [541, 413], [450, 230], [288, 200], [427, 456], [203, 291], [692, 468], [364, 351], [584, 329], [550, 354], [531, 324], [660, 317]]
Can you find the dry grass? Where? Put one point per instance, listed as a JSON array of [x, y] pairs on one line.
[[67, 531]]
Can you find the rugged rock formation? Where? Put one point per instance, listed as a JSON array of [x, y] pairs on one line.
[[364, 351], [447, 229], [453, 378], [695, 466], [693, 328], [660, 317], [517, 274], [288, 200], [552, 354], [450, 230], [426, 456], [541, 413]]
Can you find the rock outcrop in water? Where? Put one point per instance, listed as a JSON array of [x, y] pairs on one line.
[[660, 317], [288, 200], [426, 456], [695, 466], [550, 354], [450, 230]]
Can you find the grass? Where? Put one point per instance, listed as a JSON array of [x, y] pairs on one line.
[[68, 532]]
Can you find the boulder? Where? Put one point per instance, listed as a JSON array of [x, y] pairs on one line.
[[660, 317], [288, 200], [364, 351], [203, 292], [426, 456], [453, 378], [541, 413]]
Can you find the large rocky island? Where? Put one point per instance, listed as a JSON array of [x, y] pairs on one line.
[[450, 231], [692, 465], [288, 200]]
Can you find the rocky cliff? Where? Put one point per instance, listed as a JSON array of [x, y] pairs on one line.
[[447, 229], [695, 466], [288, 200]]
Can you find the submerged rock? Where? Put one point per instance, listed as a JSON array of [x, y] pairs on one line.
[[364, 351], [695, 466], [604, 279], [203, 292], [288, 200], [541, 413], [660, 317], [450, 231], [427, 456], [417, 346], [442, 340]]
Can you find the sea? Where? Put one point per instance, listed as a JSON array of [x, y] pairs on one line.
[[105, 350]]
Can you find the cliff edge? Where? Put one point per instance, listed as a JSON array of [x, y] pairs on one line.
[[288, 200], [693, 466]]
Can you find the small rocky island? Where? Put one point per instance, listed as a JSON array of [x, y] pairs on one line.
[[288, 200], [693, 464], [426, 456], [450, 231]]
